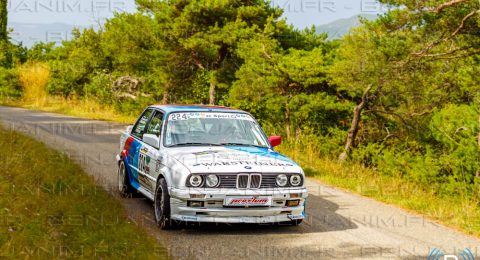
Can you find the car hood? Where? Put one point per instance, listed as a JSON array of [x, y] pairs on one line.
[[232, 159]]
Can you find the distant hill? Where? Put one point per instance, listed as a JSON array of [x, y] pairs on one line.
[[29, 34], [340, 27]]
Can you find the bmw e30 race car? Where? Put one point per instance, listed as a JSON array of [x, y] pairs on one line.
[[209, 164]]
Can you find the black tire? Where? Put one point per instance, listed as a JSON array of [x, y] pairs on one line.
[[161, 206], [296, 222], [124, 187]]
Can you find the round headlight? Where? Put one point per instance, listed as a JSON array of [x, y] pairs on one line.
[[211, 180], [195, 180], [281, 180], [295, 180]]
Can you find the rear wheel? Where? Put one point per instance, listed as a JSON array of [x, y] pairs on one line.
[[124, 186], [162, 206]]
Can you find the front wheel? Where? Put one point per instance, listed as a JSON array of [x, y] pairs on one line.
[[162, 206], [124, 186], [296, 222]]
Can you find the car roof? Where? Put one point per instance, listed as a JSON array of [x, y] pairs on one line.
[[169, 108]]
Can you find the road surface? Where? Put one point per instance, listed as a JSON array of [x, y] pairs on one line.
[[339, 224]]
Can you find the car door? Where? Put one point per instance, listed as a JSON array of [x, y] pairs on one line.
[[134, 151], [149, 156]]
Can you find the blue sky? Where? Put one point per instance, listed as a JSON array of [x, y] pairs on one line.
[[301, 13]]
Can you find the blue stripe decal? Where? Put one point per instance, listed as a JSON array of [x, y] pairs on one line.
[[265, 152], [133, 153], [132, 182]]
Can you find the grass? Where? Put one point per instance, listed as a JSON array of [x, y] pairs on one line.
[[457, 212], [84, 108], [34, 79], [50, 208]]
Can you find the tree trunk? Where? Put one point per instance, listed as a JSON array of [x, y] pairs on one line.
[[352, 132], [478, 137], [3, 20], [287, 120], [165, 96], [212, 93], [477, 174]]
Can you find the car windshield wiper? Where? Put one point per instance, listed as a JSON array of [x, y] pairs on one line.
[[242, 144], [194, 144]]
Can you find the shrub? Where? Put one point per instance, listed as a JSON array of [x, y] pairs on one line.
[[9, 85]]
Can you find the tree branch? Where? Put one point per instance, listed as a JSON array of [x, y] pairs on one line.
[[392, 114], [462, 24], [448, 4], [452, 35]]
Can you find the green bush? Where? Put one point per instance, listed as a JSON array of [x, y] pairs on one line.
[[9, 85], [100, 88], [450, 161]]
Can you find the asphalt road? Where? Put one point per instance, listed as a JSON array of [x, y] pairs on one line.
[[339, 224]]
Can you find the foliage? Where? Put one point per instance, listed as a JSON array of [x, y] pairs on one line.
[[9, 85]]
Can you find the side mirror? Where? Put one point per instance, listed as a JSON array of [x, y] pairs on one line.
[[275, 140], [152, 140], [129, 129]]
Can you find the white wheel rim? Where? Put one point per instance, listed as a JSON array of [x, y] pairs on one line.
[[159, 203]]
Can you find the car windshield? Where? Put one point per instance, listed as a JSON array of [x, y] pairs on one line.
[[213, 128]]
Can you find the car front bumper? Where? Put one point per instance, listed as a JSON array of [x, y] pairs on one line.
[[214, 211]]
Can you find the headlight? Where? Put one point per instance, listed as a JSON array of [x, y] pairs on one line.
[[195, 180], [211, 180], [281, 180], [295, 180]]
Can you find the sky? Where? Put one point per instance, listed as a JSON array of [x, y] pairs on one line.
[[301, 13]]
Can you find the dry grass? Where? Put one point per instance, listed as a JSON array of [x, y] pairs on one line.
[[34, 78], [84, 108], [455, 211]]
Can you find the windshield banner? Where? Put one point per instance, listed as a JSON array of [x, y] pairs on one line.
[[209, 115]]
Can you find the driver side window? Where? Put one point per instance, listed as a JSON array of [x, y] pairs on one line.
[[155, 126], [139, 128]]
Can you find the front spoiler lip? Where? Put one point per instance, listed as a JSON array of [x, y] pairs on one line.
[[250, 215], [251, 220]]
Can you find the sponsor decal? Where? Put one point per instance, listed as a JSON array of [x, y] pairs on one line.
[[189, 218], [143, 162], [249, 163], [189, 115], [248, 201], [263, 152]]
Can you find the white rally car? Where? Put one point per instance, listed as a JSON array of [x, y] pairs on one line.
[[209, 164]]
